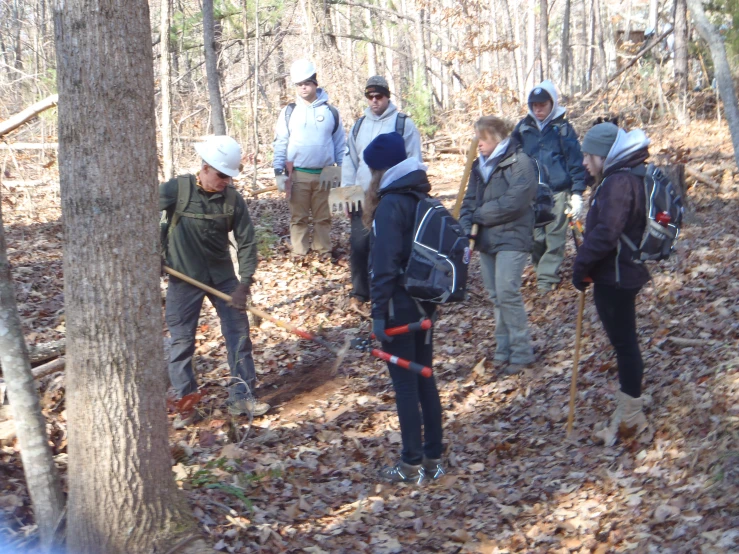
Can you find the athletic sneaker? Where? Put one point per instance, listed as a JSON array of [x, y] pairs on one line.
[[403, 473], [432, 468]]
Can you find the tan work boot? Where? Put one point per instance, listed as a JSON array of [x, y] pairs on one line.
[[628, 413], [248, 405]]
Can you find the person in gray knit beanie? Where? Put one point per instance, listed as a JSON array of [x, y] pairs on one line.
[[599, 139]]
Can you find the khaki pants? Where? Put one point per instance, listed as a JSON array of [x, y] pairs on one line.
[[307, 199]]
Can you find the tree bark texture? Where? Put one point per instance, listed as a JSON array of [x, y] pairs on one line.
[[166, 87], [722, 71], [122, 494], [564, 55], [544, 37], [681, 47], [217, 118], [42, 478]]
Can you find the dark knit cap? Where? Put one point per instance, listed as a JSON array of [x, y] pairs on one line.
[[540, 94], [377, 84], [385, 151], [599, 139]]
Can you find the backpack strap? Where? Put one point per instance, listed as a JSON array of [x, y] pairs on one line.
[[229, 206], [183, 199], [400, 123], [289, 109], [335, 113], [357, 125]]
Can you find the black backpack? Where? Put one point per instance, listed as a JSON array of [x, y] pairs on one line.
[[664, 219], [399, 124], [291, 108], [544, 201], [437, 268]]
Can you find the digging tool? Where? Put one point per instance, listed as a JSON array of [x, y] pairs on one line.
[[261, 191], [289, 166], [364, 345], [330, 177], [471, 155], [576, 361], [577, 230], [338, 352], [473, 235], [347, 199]]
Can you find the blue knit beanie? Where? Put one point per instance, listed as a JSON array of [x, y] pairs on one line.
[[385, 151]]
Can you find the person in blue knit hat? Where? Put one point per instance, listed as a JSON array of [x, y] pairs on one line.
[[390, 212]]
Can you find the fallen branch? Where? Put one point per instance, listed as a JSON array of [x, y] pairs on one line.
[[34, 183], [260, 191], [29, 113], [30, 146], [689, 342], [49, 368], [702, 177], [46, 351]]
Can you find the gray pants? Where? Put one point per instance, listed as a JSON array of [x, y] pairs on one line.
[[549, 244], [502, 274], [184, 302]]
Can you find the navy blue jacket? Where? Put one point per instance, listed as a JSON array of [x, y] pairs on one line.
[[391, 242], [557, 149], [618, 206]]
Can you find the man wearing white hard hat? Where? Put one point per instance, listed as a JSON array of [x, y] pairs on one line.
[[201, 210], [309, 137]]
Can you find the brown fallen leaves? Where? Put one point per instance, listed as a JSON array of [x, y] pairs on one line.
[[303, 478]]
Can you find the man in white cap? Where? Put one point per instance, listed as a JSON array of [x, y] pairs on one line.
[[201, 210], [309, 137], [381, 116]]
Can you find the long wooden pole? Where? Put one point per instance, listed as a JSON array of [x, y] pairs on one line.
[[471, 155], [576, 362]]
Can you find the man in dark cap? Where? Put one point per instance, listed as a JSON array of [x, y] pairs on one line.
[[381, 116]]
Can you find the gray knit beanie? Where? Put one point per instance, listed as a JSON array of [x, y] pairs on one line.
[[599, 139]]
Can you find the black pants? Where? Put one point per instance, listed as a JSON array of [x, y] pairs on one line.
[[617, 310], [411, 390], [359, 257]]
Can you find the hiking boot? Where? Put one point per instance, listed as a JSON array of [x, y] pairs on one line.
[[356, 305], [628, 417], [432, 468], [248, 405], [515, 369], [180, 421], [403, 473]]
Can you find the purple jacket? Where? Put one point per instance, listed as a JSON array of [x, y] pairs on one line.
[[618, 206]]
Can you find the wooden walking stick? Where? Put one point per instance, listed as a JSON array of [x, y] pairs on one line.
[[471, 155], [573, 385]]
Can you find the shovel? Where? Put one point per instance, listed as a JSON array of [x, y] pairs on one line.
[[340, 353], [330, 177], [347, 199]]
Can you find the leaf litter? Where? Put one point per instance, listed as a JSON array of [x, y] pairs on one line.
[[304, 478]]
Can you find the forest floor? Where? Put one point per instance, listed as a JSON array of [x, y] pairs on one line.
[[303, 478]]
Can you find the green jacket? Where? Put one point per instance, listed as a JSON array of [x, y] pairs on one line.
[[199, 247]]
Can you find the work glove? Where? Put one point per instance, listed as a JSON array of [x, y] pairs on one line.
[[581, 283], [575, 207], [239, 296], [378, 328], [281, 180]]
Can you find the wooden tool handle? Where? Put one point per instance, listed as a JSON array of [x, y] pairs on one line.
[[471, 155], [575, 362]]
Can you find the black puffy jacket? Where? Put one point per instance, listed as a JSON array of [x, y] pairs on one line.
[[391, 243]]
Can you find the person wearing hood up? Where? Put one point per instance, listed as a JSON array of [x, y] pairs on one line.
[[545, 134], [309, 136], [381, 116], [618, 207], [390, 212], [499, 199]]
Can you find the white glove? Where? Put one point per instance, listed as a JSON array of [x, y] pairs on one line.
[[575, 206], [281, 180]]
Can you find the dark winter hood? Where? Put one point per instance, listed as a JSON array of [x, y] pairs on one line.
[[557, 110]]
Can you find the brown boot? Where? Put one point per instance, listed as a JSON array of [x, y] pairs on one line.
[[628, 416]]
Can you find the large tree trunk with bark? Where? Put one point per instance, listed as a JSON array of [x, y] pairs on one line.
[[722, 70], [681, 48], [42, 478], [217, 118], [544, 37], [564, 55], [122, 494]]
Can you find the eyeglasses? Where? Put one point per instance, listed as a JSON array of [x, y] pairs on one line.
[[219, 174], [374, 96]]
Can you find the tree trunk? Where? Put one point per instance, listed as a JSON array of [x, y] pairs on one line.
[[166, 87], [530, 45], [681, 48], [370, 47], [721, 70], [653, 16], [256, 93], [591, 46], [122, 494], [42, 478], [564, 55], [218, 120], [544, 37]]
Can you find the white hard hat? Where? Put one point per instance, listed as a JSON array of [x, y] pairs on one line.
[[301, 70], [221, 153]]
